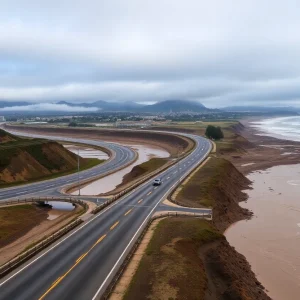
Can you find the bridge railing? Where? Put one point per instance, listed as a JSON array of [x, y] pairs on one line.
[[43, 199]]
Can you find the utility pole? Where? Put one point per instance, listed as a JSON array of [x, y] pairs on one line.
[[78, 168], [178, 164]]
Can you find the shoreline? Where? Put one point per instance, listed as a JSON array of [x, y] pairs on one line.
[[267, 157], [262, 151]]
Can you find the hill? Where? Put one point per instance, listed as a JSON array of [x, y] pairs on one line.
[[23, 160], [159, 107], [175, 106]]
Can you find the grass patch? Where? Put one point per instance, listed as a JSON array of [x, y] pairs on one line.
[[200, 190], [171, 267], [230, 142]]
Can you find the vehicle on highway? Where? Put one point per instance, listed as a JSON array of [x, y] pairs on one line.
[[157, 181]]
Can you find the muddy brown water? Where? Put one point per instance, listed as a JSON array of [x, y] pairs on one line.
[[108, 183], [271, 239], [87, 152], [58, 208]]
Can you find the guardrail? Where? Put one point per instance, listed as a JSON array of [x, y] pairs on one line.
[[39, 199], [125, 263], [15, 262]]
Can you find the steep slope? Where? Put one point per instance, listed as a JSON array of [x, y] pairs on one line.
[[27, 159]]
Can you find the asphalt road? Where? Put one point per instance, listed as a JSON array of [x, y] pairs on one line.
[[81, 264], [121, 157]]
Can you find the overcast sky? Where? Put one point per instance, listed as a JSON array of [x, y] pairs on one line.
[[217, 52]]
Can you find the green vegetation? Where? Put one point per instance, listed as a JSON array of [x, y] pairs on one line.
[[89, 163], [28, 160], [230, 143], [214, 132], [218, 185], [171, 267], [201, 188]]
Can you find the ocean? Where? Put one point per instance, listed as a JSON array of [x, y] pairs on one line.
[[286, 128]]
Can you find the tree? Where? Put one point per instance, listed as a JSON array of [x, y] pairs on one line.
[[213, 132], [72, 124]]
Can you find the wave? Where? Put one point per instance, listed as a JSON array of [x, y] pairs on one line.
[[287, 128]]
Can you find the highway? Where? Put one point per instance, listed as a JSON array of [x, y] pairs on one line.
[[121, 156], [81, 264]]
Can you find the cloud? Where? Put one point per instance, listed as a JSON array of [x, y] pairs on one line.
[[48, 107], [215, 52]]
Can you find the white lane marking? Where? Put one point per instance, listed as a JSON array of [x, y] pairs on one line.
[[57, 244], [98, 215], [128, 245], [54, 246]]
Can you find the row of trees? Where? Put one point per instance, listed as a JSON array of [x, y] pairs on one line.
[[213, 132]]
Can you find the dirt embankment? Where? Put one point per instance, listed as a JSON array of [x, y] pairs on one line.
[[190, 259], [23, 159], [218, 184], [37, 159], [18, 220], [24, 225], [259, 152], [172, 143], [140, 171]]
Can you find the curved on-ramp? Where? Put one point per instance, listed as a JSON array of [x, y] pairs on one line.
[[82, 264], [121, 157]]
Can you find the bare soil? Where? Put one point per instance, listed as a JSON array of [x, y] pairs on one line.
[[188, 258], [176, 265], [23, 160], [218, 184], [169, 142], [138, 173], [260, 152], [18, 220], [28, 224]]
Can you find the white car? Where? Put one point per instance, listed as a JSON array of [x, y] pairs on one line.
[[157, 181]]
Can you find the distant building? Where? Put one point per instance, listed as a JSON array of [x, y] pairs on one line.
[[2, 119], [133, 124]]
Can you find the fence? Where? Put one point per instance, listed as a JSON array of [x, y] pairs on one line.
[[15, 262], [39, 199], [126, 261]]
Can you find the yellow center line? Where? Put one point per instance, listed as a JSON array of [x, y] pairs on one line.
[[81, 257], [116, 224], [128, 212], [59, 279], [140, 201], [56, 281], [149, 193]]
